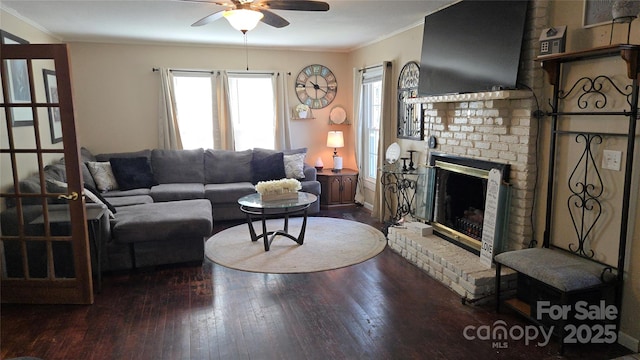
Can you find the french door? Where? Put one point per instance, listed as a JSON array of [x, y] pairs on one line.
[[42, 259]]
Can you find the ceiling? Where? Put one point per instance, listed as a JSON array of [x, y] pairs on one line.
[[347, 25]]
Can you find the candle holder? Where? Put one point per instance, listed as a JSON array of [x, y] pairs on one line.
[[411, 167], [404, 163]]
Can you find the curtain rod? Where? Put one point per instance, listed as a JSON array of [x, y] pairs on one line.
[[387, 63], [188, 71], [254, 72], [214, 71]]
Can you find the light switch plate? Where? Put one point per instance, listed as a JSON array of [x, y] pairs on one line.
[[611, 159]]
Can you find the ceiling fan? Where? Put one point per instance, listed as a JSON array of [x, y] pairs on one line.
[[245, 14]]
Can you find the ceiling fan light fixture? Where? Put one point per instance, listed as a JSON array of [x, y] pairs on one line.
[[243, 19]]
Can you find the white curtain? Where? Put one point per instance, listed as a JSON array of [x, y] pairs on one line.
[[168, 130], [282, 113], [386, 134], [222, 126], [358, 133]]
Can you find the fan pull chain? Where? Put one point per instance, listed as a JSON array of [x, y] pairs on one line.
[[246, 49]]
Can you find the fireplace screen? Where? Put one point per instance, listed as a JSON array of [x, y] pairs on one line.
[[454, 198], [459, 202]]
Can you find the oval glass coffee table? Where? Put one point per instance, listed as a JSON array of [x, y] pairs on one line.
[[252, 205]]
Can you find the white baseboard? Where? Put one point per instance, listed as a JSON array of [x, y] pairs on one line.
[[628, 341], [368, 206]]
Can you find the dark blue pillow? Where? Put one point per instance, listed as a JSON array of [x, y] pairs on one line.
[[132, 173], [268, 167]]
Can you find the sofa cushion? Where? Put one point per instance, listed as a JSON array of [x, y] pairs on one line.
[[227, 193], [87, 178], [266, 168], [180, 191], [56, 187], [103, 175], [178, 166], [86, 155], [132, 173], [166, 221], [227, 166], [132, 192], [120, 201], [56, 171], [106, 157]]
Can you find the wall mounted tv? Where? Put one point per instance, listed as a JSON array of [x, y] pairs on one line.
[[472, 46]]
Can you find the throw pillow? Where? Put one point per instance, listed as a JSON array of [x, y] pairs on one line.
[[268, 168], [132, 173], [103, 175], [294, 165]]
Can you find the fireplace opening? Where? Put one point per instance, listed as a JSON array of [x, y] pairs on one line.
[[459, 191], [462, 202]]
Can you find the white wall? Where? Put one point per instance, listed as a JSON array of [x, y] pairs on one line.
[[117, 93]]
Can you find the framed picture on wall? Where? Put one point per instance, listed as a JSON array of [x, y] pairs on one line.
[[597, 12], [18, 84], [51, 89]]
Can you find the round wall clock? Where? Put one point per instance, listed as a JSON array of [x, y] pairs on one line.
[[316, 86]]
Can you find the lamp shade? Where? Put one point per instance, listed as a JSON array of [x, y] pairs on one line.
[[335, 139], [243, 19]]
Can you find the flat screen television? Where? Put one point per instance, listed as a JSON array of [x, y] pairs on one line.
[[472, 46]]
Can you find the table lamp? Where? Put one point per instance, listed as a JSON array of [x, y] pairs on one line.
[[336, 140]]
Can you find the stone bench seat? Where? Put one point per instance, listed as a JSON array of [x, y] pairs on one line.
[[564, 271]]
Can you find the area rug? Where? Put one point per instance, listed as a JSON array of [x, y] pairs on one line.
[[329, 243]]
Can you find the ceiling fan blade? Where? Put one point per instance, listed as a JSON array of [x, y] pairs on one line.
[[301, 5], [221, 3], [209, 18], [273, 19]]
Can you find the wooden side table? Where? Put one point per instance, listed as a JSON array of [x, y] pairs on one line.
[[338, 188]]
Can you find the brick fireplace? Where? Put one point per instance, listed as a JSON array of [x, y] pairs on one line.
[[496, 126]]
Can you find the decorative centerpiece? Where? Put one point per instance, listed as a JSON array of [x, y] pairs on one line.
[[302, 110], [283, 189]]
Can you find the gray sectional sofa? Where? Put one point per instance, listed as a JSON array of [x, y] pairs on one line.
[[164, 202]]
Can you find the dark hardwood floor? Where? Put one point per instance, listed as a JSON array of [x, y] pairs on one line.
[[384, 308]]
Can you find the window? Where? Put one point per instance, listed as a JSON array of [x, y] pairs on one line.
[[371, 106], [251, 103], [193, 95], [252, 111]]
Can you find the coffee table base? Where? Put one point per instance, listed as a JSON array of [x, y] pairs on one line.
[[269, 236]]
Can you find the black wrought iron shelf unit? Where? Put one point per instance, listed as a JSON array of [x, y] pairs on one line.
[[590, 97], [582, 89]]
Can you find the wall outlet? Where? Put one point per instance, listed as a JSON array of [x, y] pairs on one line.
[[611, 159]]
